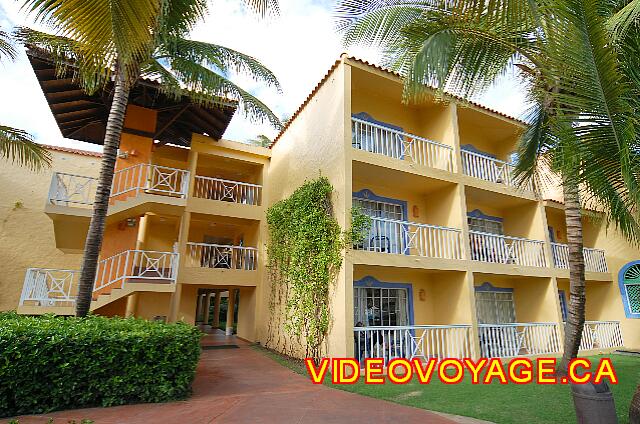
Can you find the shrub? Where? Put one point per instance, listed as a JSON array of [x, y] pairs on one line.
[[49, 363]]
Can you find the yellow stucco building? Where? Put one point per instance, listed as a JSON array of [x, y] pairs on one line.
[[458, 261]]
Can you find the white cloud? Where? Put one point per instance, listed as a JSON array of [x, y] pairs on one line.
[[299, 46]]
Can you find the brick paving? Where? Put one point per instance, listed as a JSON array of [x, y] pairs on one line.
[[241, 385]]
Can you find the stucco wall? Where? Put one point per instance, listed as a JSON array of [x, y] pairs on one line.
[[314, 145], [26, 232]]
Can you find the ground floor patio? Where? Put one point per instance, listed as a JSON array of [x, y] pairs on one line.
[[236, 383]]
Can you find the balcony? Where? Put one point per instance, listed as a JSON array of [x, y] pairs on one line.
[[78, 191], [217, 196], [518, 339], [396, 144], [493, 170], [227, 191], [49, 290], [70, 205], [72, 190], [594, 259], [415, 341], [410, 238], [601, 335], [135, 266], [55, 290], [135, 190], [150, 179], [208, 263], [501, 249]]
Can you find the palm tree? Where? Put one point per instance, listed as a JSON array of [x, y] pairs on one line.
[[261, 140], [625, 27], [126, 40], [15, 144], [583, 89]]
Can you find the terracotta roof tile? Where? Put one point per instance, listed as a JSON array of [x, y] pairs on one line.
[[74, 151], [364, 62]]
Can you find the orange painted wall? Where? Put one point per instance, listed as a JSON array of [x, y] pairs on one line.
[[138, 148], [118, 237]]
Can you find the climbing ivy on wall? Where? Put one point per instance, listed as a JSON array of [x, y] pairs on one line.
[[305, 255]]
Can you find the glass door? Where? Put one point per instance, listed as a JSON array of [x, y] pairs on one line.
[[386, 234]]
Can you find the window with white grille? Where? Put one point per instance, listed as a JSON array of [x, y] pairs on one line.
[[378, 209], [495, 307], [484, 225], [376, 306]]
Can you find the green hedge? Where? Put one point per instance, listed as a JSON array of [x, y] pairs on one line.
[[50, 363]]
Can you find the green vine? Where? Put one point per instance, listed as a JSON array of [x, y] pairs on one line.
[[305, 255]]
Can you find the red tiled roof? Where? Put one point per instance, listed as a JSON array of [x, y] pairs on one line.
[[364, 62], [74, 151]]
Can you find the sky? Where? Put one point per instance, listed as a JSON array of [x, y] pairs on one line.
[[299, 46]]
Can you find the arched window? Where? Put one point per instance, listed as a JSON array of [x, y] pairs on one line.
[[629, 282]]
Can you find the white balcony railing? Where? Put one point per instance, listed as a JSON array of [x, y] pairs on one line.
[[49, 287], [72, 190], [152, 179], [415, 341], [221, 256], [518, 339], [136, 266], [601, 335], [397, 144], [228, 191], [500, 249], [490, 169], [594, 259], [410, 238]]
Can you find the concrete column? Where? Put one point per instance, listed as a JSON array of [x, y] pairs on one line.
[[455, 133], [231, 307], [176, 297], [192, 161], [142, 232], [216, 309], [183, 237], [207, 308], [132, 304], [200, 306]]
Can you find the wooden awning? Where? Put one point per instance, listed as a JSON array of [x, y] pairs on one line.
[[83, 117]]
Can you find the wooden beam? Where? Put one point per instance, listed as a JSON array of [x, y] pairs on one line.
[[171, 121]]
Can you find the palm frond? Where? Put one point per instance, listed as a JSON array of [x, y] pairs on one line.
[[460, 55], [220, 58], [377, 26], [102, 27], [178, 17], [535, 143], [263, 7], [18, 146], [594, 101], [6, 46], [204, 86], [627, 17], [90, 72]]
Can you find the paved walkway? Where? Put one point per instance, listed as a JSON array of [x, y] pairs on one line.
[[241, 385]]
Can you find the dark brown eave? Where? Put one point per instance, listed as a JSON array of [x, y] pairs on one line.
[[83, 117]]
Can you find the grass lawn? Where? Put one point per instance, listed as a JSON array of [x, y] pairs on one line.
[[530, 403]]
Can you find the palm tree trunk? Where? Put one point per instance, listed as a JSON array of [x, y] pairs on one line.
[[95, 234], [576, 309], [634, 408]]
